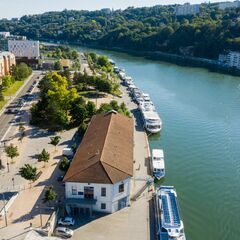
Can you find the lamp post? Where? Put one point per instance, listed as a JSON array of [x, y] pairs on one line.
[[13, 182], [8, 165]]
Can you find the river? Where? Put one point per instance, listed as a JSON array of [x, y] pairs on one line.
[[201, 141]]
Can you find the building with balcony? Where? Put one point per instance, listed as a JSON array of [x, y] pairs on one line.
[[99, 178], [187, 9], [7, 61], [24, 48], [231, 59]]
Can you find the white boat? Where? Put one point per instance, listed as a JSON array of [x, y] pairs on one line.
[[169, 223], [116, 69], [146, 97], [158, 163], [111, 61], [132, 87], [152, 121], [146, 106], [122, 75]]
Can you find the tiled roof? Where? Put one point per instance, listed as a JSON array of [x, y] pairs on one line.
[[106, 152]]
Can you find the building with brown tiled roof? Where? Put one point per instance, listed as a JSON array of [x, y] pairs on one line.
[[100, 174]]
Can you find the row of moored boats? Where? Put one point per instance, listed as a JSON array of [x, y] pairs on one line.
[[151, 119], [169, 223]]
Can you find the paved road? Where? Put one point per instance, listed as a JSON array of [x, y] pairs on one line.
[[7, 118]]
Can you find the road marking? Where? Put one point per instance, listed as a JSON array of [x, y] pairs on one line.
[[11, 124]]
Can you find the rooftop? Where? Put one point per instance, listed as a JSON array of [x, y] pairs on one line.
[[106, 152]]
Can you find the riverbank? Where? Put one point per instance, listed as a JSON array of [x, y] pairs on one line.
[[211, 65]]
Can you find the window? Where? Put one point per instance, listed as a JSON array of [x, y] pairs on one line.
[[80, 193], [89, 192], [103, 192], [121, 188], [74, 191], [103, 205]]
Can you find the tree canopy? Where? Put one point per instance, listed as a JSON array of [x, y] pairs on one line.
[[148, 28]]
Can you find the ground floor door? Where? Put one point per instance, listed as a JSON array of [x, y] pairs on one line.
[[122, 203]]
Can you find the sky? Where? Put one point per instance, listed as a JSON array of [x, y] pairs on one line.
[[18, 8]]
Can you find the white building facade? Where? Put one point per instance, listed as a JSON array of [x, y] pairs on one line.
[[231, 59], [5, 34], [7, 61], [106, 198], [187, 9], [24, 48], [225, 5]]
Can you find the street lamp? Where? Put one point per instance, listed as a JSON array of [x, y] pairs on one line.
[[13, 182]]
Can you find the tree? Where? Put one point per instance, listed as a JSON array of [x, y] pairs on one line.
[[7, 81], [50, 195], [28, 172], [57, 66], [55, 141], [11, 151], [103, 61], [21, 71], [78, 113], [103, 85], [64, 164], [1, 93], [91, 109], [44, 156]]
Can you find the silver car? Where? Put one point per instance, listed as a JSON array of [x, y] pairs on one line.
[[63, 232]]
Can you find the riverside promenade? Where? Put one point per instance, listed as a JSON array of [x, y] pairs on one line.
[[133, 222]]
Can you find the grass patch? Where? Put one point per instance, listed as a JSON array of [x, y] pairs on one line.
[[2, 103], [13, 88]]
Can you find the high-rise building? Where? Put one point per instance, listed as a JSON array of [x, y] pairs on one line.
[[24, 48], [224, 5], [7, 60], [187, 9]]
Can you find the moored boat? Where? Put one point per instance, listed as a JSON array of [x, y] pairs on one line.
[[169, 223], [152, 121], [158, 163]]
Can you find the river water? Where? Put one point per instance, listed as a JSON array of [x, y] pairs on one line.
[[201, 141]]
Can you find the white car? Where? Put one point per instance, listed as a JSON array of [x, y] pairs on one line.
[[63, 232], [67, 221]]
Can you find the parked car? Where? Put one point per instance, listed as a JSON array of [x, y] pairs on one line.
[[63, 232], [67, 221]]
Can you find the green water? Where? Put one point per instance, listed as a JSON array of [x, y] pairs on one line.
[[201, 140]]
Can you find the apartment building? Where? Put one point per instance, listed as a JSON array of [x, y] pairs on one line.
[[5, 34], [99, 178], [24, 48], [231, 59], [187, 9], [7, 60], [224, 5]]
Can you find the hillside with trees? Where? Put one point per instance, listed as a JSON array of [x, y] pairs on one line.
[[150, 28]]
